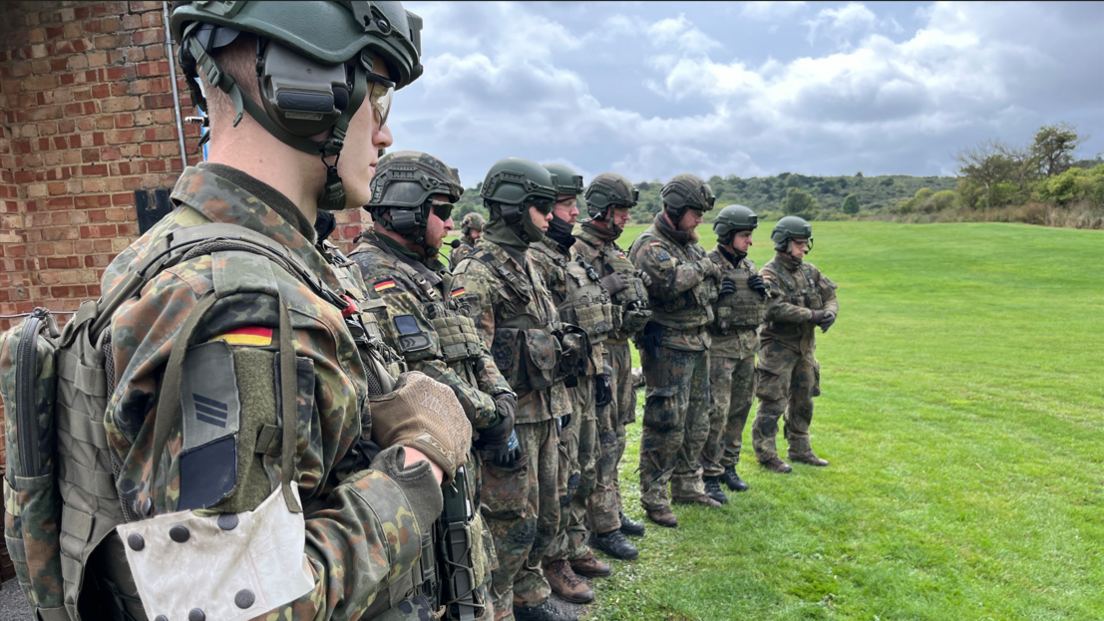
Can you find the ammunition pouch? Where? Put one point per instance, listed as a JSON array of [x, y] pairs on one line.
[[575, 357], [459, 338]]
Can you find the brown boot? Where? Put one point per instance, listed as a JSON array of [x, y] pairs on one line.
[[777, 465], [811, 459], [591, 567], [663, 517], [698, 500], [566, 584]]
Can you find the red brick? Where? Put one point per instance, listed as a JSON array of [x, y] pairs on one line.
[[146, 37]]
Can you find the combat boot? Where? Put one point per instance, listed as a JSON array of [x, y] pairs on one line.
[[663, 517], [545, 612], [591, 567], [631, 528], [713, 489], [777, 465], [566, 584], [810, 459], [615, 544], [698, 500], [733, 480]]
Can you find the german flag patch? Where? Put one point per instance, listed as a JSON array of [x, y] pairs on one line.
[[457, 292], [655, 243], [384, 285], [250, 336]]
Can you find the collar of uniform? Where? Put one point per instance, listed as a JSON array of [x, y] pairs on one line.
[[595, 234], [269, 196], [789, 262], [731, 256], [499, 252], [222, 200], [402, 253], [664, 227], [552, 248]]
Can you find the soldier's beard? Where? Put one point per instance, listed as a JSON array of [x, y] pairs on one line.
[[693, 234]]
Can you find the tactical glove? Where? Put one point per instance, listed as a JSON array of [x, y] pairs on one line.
[[643, 276], [728, 286], [755, 283], [817, 317], [423, 413], [613, 283], [829, 319], [507, 455], [507, 407], [603, 391]]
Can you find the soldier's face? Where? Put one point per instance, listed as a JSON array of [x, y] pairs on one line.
[[566, 209], [366, 136], [540, 220], [742, 241], [436, 228], [476, 234], [690, 220], [799, 248], [621, 217]]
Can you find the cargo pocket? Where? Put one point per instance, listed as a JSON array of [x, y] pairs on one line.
[[661, 408], [30, 525], [506, 490], [542, 356]]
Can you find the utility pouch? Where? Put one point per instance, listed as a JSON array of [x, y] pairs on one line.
[[575, 359], [651, 338], [32, 501], [527, 358], [636, 315], [459, 338]]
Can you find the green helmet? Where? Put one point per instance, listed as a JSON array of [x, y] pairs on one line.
[[567, 182], [472, 222], [686, 192], [791, 227], [405, 185], [314, 65], [732, 219], [609, 191], [511, 187]]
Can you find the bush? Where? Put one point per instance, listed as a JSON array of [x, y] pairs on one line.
[[1074, 185]]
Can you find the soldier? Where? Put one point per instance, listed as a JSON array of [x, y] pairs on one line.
[[609, 198], [471, 229], [516, 317], [254, 408], [412, 199], [788, 374], [673, 349], [738, 312], [585, 305]]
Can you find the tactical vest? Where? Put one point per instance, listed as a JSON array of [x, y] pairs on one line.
[[743, 310], [632, 301], [692, 308], [798, 290]]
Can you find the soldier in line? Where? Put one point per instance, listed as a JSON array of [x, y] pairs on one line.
[[517, 319], [471, 229], [584, 306], [738, 312], [412, 198], [336, 518], [788, 374], [674, 349], [609, 198]]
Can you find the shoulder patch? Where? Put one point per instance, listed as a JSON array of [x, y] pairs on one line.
[[655, 243], [384, 285], [457, 292], [250, 336], [663, 256]]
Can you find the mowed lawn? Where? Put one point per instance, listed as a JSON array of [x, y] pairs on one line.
[[963, 413]]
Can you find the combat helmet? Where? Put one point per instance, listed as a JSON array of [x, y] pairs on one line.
[[733, 219], [405, 185], [686, 192], [472, 222], [314, 66], [609, 191], [511, 187], [791, 227], [567, 182]]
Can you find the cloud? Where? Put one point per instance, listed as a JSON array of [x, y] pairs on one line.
[[770, 10]]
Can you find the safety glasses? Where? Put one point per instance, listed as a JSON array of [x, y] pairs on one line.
[[443, 209], [379, 96]]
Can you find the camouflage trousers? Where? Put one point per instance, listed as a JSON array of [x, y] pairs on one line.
[[676, 423], [578, 453], [481, 533], [787, 383], [604, 505], [732, 381], [522, 511]]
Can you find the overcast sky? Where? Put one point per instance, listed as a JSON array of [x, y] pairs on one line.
[[653, 89]]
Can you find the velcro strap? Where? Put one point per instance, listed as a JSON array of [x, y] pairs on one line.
[[267, 440]]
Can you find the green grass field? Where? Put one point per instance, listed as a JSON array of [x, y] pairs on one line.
[[963, 413]]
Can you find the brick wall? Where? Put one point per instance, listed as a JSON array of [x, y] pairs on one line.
[[86, 118]]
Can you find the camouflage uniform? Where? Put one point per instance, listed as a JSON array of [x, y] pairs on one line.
[[421, 290], [520, 504], [566, 278], [597, 246], [360, 528], [465, 250], [788, 374], [678, 398], [731, 362]]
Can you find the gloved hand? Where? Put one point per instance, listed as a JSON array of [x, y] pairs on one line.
[[440, 430], [728, 286], [755, 283], [495, 436], [603, 391], [507, 455], [829, 319], [507, 406], [643, 276], [613, 283], [817, 317]]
